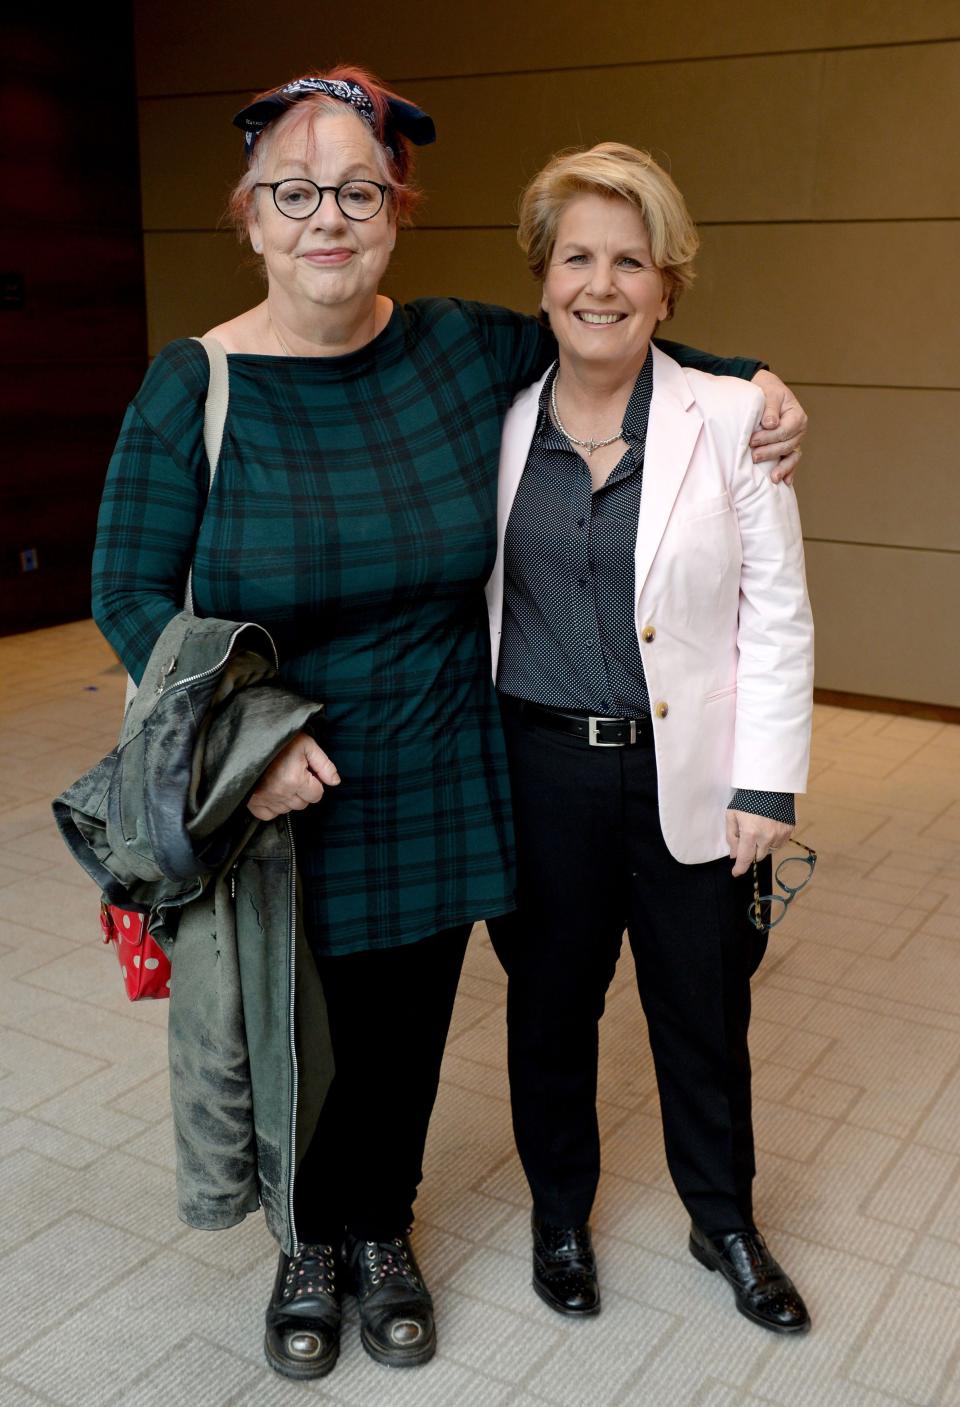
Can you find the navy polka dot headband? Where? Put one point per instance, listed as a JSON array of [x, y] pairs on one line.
[[403, 117]]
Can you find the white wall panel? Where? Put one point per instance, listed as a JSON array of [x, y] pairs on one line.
[[194, 281], [882, 466], [868, 304], [238, 45], [699, 119], [190, 157], [887, 123], [886, 621], [735, 133]]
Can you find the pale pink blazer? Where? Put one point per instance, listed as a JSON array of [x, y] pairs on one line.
[[719, 579]]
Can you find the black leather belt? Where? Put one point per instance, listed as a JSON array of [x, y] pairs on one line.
[[594, 730]]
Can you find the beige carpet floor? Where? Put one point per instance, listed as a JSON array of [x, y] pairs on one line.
[[106, 1299]]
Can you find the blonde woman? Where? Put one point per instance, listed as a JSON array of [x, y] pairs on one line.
[[653, 649]]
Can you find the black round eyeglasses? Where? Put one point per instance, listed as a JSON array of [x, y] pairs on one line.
[[298, 198], [791, 875]]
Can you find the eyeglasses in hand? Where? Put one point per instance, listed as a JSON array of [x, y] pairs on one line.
[[791, 875]]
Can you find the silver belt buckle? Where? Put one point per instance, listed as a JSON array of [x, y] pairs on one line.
[[594, 741]]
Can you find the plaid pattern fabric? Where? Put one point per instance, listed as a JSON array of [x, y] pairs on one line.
[[354, 516]]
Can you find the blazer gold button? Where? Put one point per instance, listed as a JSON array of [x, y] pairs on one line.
[[648, 634], [660, 709]]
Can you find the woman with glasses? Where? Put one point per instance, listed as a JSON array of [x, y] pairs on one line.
[[653, 649], [354, 516]]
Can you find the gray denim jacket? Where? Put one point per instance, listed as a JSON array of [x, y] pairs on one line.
[[161, 825]]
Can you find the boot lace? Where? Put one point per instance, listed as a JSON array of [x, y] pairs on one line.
[[310, 1271], [389, 1258]]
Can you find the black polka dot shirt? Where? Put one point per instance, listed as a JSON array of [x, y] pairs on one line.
[[569, 636]]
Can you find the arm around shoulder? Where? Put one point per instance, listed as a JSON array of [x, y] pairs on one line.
[[744, 368], [522, 346]]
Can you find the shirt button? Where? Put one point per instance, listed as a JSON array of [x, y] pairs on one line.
[[648, 634], [581, 523], [583, 581], [660, 708], [589, 644]]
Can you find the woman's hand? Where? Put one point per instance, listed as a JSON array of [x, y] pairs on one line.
[[294, 780], [782, 427], [753, 837]]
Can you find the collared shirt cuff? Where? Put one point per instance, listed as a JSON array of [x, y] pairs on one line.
[[774, 805]]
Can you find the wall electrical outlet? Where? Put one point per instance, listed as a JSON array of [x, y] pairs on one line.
[[29, 560]]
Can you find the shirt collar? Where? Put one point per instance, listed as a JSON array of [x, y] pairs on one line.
[[546, 432], [638, 406]]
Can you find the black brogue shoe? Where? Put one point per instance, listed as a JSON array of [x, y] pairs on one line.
[[396, 1311], [762, 1289], [303, 1316], [565, 1268]]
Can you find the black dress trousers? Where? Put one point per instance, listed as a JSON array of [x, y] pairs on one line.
[[591, 862]]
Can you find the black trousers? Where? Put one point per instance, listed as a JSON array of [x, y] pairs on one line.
[[591, 862], [389, 1012]]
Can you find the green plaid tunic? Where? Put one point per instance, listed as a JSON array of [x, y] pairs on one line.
[[353, 515]]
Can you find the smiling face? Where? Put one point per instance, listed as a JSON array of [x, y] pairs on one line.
[[326, 260], [602, 292]]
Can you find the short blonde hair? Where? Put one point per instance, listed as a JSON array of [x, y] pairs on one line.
[[612, 170]]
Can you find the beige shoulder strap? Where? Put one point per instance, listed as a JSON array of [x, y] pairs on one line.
[[214, 420], [215, 407]]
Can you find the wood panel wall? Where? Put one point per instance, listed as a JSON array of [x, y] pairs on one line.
[[72, 355], [817, 147]]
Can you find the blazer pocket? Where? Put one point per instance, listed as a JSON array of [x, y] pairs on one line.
[[720, 693], [707, 508]]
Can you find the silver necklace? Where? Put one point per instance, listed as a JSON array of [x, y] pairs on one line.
[[283, 346], [588, 445]]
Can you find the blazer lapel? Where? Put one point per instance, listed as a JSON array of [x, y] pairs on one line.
[[672, 432], [518, 430]]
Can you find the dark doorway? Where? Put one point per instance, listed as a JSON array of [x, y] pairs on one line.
[[72, 312]]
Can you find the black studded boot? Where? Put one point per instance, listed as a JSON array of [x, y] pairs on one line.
[[396, 1311], [303, 1316]]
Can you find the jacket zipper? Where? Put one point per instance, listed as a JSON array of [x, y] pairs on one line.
[[205, 673], [295, 1085]]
